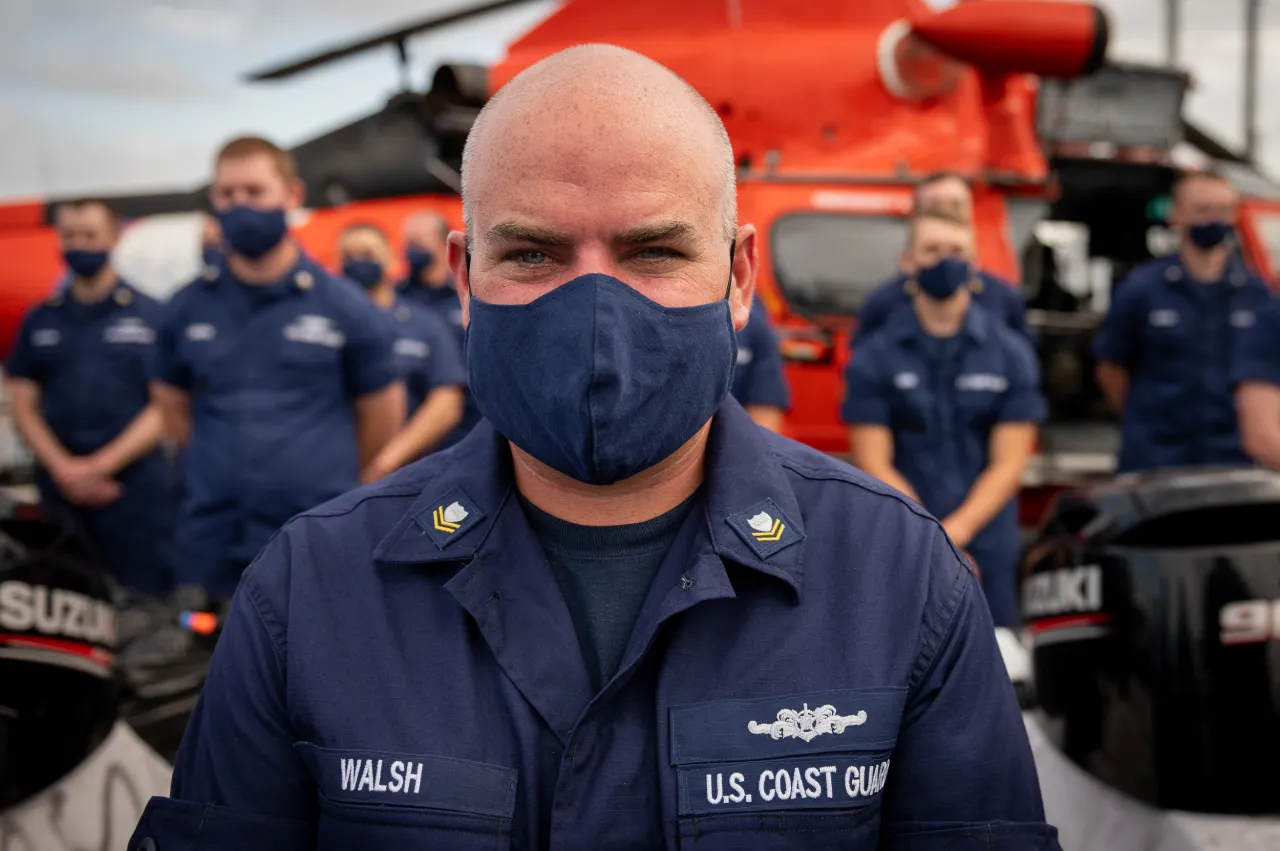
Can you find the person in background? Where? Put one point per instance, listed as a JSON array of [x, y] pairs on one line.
[[1257, 381], [948, 192], [943, 403], [1170, 341], [77, 379], [278, 378], [212, 252], [428, 356], [759, 383]]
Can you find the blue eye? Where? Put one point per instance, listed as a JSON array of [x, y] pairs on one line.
[[656, 252], [528, 258]]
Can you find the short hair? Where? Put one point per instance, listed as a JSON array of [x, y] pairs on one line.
[[113, 215], [443, 227], [935, 177], [367, 227], [252, 146], [933, 213], [1187, 177]]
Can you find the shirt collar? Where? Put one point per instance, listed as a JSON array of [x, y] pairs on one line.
[[904, 327], [300, 279], [742, 471], [121, 295]]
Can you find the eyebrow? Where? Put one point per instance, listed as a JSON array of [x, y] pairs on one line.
[[662, 232], [534, 235], [514, 232]]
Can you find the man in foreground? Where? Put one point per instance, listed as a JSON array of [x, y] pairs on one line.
[[619, 614]]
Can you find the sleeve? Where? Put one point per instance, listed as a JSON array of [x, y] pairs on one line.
[[866, 398], [1259, 356], [767, 383], [963, 777], [447, 366], [21, 363], [368, 359], [1022, 401], [237, 782], [167, 363], [875, 310], [1013, 309], [1118, 339]]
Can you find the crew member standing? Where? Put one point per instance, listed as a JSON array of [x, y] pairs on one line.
[[951, 193], [78, 385], [426, 352], [759, 383], [943, 403], [619, 614], [278, 378], [1167, 348], [1257, 380]]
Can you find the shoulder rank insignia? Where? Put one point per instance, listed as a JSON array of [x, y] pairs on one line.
[[449, 518], [123, 297], [765, 528]]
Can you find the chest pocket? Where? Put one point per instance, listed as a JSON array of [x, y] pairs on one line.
[[394, 800], [311, 351], [800, 771], [910, 403], [978, 396], [1168, 333]]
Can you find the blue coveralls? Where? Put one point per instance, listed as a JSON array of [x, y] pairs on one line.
[[996, 296], [444, 301], [758, 377], [272, 373], [813, 668], [427, 354], [1259, 358], [941, 411], [1178, 340], [93, 364]]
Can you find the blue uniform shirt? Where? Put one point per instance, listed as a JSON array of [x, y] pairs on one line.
[[444, 301], [1259, 358], [427, 354], [812, 667], [1179, 341], [941, 408], [758, 377], [92, 363], [996, 296], [272, 373]]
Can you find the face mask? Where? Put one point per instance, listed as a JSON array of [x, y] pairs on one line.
[[597, 381], [252, 233], [85, 264], [366, 273], [212, 255], [419, 260], [1209, 235], [941, 280]]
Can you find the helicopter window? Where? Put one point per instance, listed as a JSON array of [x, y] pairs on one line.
[[828, 263], [1269, 230]]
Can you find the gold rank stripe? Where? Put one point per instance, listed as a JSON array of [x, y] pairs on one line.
[[442, 525], [774, 534]]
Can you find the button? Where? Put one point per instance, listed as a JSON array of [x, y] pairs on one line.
[[123, 297], [211, 273], [147, 844], [304, 280], [402, 313], [1173, 273]]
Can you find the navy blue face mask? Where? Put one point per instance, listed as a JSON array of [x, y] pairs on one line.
[[941, 280], [1209, 235], [85, 264], [597, 381], [252, 233], [419, 260], [212, 255], [366, 273]]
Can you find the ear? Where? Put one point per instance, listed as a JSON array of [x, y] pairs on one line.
[[297, 194], [457, 256], [742, 289], [907, 263]]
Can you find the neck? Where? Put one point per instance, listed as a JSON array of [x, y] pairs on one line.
[[940, 320], [268, 268], [1205, 266], [642, 497], [383, 294], [90, 290]]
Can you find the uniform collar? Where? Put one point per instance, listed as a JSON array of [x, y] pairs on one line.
[[121, 295], [742, 472], [905, 328], [301, 278], [1235, 273]]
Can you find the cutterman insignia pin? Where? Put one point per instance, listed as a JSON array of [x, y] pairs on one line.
[[765, 528], [449, 518]]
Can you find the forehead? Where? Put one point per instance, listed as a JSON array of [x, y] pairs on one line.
[[83, 216], [256, 168], [363, 238], [934, 232], [1205, 190]]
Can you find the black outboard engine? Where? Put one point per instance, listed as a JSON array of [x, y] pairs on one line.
[[57, 652], [1153, 603]]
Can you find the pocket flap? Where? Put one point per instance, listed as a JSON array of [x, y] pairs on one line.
[[793, 725], [411, 780]]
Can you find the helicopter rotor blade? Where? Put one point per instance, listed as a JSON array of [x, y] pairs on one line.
[[394, 37]]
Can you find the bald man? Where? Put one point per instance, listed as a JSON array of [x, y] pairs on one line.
[[619, 614]]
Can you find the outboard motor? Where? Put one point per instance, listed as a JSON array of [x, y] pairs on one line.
[[1153, 606]]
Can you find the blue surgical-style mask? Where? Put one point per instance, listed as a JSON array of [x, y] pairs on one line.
[[941, 280], [419, 260], [85, 264], [250, 232], [366, 273], [597, 381], [212, 255], [1210, 234]]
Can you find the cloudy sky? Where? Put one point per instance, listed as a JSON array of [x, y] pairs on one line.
[[134, 95]]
